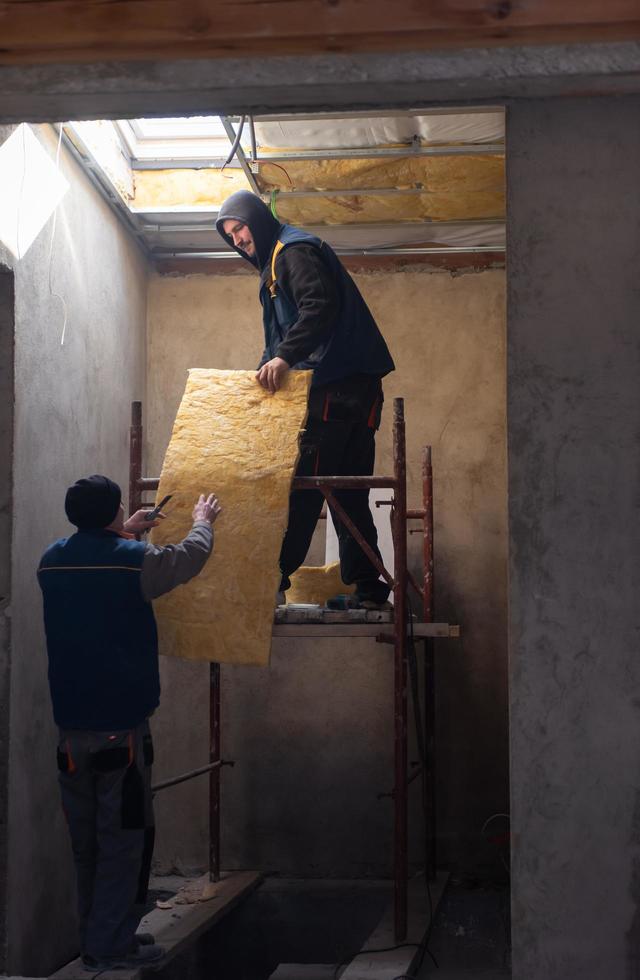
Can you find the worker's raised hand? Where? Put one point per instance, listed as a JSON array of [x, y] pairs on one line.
[[207, 509], [270, 375], [138, 523]]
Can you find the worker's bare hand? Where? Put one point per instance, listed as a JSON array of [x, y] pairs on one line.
[[138, 522], [207, 509], [271, 374]]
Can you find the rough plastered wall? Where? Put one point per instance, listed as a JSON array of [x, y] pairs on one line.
[[312, 736], [7, 323], [574, 487], [72, 410]]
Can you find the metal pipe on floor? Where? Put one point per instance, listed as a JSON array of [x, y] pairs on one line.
[[399, 535]]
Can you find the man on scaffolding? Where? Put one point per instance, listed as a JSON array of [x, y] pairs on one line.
[[315, 318]]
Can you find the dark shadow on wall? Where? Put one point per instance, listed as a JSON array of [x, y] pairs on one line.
[[7, 323], [472, 726]]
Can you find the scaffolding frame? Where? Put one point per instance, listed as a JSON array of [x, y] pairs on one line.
[[391, 633]]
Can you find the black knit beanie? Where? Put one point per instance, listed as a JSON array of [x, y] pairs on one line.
[[92, 502]]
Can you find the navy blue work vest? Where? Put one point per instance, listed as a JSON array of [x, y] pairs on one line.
[[355, 345], [101, 634]]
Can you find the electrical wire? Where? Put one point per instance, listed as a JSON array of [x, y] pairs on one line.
[[271, 163], [235, 144], [496, 816], [252, 133], [363, 952]]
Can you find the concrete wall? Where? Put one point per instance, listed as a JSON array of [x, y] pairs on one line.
[[312, 735], [71, 418], [7, 329], [574, 432]]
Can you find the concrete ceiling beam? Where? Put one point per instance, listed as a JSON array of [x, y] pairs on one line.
[[225, 86]]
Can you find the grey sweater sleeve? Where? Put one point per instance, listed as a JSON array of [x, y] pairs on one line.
[[174, 564]]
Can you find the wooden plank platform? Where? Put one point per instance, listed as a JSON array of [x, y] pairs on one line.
[[310, 630], [177, 927], [302, 613]]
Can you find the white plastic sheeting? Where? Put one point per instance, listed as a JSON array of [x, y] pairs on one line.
[[197, 232], [358, 132], [463, 235]]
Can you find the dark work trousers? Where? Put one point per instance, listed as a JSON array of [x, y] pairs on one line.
[[339, 440], [105, 780]]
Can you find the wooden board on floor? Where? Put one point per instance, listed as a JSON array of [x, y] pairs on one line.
[[63, 31], [179, 926]]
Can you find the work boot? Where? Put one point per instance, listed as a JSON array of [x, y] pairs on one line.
[[141, 956], [373, 594]]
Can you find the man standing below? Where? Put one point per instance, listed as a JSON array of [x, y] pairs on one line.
[[102, 646], [315, 318]]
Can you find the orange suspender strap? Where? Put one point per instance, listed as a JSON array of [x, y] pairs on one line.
[[272, 282], [372, 414], [70, 763]]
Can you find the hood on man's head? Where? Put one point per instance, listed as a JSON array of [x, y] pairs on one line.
[[92, 502], [251, 211]]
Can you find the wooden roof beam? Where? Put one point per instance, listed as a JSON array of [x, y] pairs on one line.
[[59, 31]]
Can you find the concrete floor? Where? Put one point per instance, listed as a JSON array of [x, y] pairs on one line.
[[307, 922], [471, 936]]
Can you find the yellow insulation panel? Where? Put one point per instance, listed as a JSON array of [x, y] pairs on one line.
[[436, 174], [316, 584], [362, 208], [175, 188], [454, 188], [232, 438]]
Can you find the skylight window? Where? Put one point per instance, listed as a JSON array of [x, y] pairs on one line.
[[197, 139], [31, 187], [194, 127]]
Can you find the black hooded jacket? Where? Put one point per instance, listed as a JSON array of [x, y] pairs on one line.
[[251, 211], [321, 292], [301, 273]]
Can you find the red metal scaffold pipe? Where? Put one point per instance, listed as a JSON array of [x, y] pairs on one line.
[[135, 457], [427, 506], [429, 667], [214, 775], [399, 515], [399, 535]]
